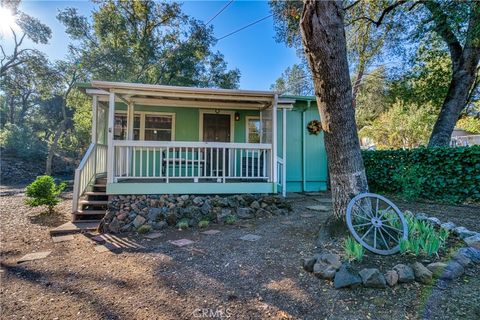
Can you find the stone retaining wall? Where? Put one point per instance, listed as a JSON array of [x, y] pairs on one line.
[[154, 212]]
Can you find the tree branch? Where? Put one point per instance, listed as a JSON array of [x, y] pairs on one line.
[[384, 13]]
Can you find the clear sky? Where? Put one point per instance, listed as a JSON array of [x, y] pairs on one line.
[[254, 51]]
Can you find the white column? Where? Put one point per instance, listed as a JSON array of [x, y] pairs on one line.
[[130, 120], [94, 118], [111, 150], [284, 151], [274, 140]]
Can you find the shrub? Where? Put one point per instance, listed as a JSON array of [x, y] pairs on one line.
[[22, 142], [44, 192], [230, 219], [183, 224], [353, 250], [203, 223], [143, 229], [441, 174]]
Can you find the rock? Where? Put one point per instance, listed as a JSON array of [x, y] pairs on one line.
[[463, 232], [114, 226], [452, 271], [244, 213], [449, 226], [223, 214], [330, 259], [308, 263], [153, 213], [422, 274], [324, 270], [473, 241], [472, 253], [121, 216], [159, 225], [421, 216], [198, 201], [405, 273], [373, 278], [345, 277], [184, 197], [138, 221], [255, 205], [462, 258], [172, 219], [437, 268], [205, 209], [434, 221], [391, 276]]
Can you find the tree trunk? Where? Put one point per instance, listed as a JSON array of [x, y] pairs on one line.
[[454, 103], [53, 148], [323, 37]]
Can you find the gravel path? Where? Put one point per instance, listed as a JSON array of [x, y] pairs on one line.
[[219, 275]]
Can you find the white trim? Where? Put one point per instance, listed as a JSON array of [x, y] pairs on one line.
[[183, 144], [247, 118], [284, 152], [274, 139], [94, 118], [232, 122], [142, 121], [111, 149]]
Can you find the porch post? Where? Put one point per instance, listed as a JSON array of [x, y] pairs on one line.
[[94, 118], [130, 119], [274, 142], [284, 152], [111, 150]]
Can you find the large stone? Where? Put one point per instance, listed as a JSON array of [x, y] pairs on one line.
[[138, 221], [463, 232], [255, 205], [473, 241], [462, 258], [223, 214], [330, 259], [345, 278], [437, 268], [308, 263], [114, 226], [244, 213], [391, 276], [324, 270], [472, 253], [154, 213], [434, 221], [421, 216], [405, 273], [198, 201], [373, 278], [452, 271], [449, 226], [422, 274]]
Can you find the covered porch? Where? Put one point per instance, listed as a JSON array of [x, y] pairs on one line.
[[152, 139]]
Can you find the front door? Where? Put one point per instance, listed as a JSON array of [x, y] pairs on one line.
[[216, 128]]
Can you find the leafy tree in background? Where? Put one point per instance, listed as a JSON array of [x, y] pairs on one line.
[[372, 97], [30, 28], [147, 42], [295, 80]]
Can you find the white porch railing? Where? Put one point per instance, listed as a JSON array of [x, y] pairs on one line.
[[196, 161], [94, 162]]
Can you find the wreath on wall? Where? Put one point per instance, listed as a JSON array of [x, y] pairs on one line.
[[314, 127]]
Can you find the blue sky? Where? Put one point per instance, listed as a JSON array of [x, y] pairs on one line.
[[254, 50]]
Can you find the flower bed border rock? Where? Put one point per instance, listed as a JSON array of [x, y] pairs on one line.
[[326, 265], [143, 213]]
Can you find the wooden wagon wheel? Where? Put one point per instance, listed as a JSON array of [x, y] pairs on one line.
[[376, 223]]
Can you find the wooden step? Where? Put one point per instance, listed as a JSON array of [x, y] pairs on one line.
[[96, 185], [93, 202], [89, 212], [95, 193]]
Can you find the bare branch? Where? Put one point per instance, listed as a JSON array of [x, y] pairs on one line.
[[384, 13]]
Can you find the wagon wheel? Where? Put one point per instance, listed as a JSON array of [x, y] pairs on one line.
[[376, 223]]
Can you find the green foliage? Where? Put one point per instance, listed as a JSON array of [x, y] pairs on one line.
[[371, 98], [21, 141], [143, 229], [295, 80], [183, 224], [423, 239], [469, 124], [44, 192], [203, 223], [230, 219], [353, 250], [441, 174]]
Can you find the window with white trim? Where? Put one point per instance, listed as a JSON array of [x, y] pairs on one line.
[[253, 129], [146, 126]]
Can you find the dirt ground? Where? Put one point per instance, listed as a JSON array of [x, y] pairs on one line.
[[218, 276]]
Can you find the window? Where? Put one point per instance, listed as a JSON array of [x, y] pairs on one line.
[[158, 127], [253, 129], [150, 127], [120, 127]]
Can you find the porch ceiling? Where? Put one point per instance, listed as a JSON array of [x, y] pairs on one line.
[[159, 95]]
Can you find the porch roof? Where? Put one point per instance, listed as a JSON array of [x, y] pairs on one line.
[[174, 96]]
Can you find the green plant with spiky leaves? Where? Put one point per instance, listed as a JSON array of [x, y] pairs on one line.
[[203, 223], [183, 224], [353, 250], [230, 219]]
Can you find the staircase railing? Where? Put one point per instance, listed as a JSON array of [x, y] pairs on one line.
[[94, 162]]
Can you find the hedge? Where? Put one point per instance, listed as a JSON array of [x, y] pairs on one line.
[[441, 174]]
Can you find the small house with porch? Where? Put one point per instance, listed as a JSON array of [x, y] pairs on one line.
[[155, 139]]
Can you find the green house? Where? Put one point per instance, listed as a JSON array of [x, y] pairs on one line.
[[154, 139]]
